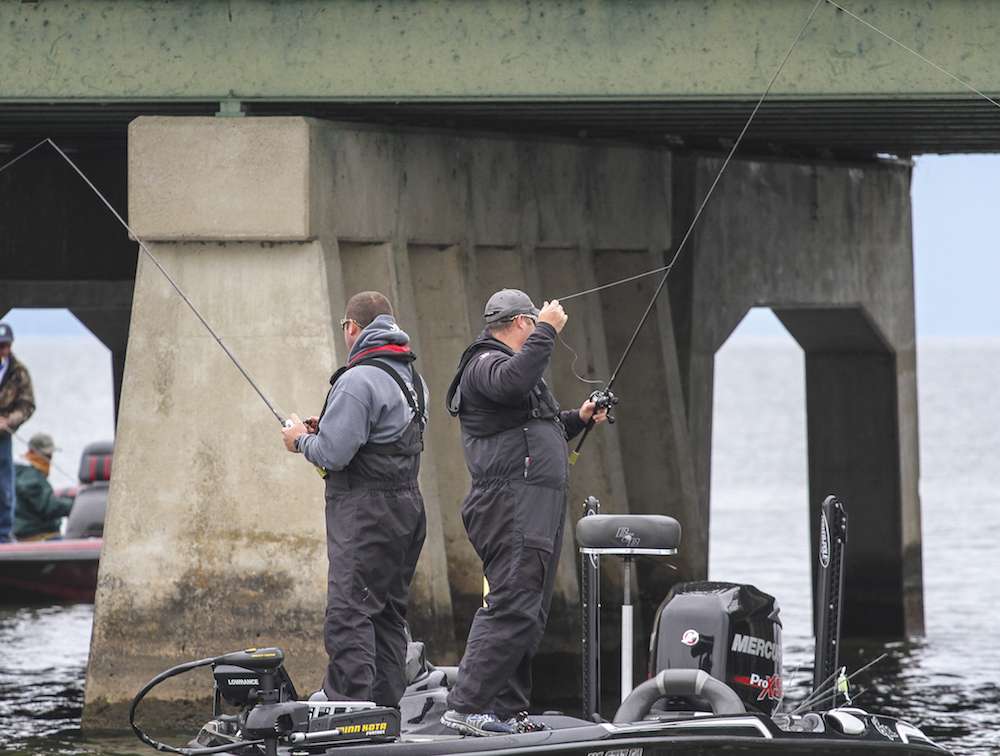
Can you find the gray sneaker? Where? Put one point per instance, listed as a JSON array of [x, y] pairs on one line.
[[480, 725]]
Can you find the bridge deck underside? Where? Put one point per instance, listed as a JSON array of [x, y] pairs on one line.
[[812, 128]]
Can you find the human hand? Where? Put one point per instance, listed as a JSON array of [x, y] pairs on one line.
[[587, 412], [292, 432], [553, 314], [4, 424], [312, 424]]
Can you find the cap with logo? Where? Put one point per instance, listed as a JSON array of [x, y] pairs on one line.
[[42, 443], [508, 303], [6, 334]]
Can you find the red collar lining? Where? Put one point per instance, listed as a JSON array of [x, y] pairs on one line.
[[391, 348]]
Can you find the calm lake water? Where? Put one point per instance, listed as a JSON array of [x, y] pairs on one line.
[[945, 682]]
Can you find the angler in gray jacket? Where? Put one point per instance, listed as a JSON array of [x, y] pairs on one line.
[[368, 441]]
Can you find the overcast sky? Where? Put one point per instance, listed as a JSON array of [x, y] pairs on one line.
[[956, 204]]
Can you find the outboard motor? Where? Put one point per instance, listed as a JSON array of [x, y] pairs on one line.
[[730, 631]]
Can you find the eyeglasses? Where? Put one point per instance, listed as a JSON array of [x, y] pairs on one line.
[[345, 321]]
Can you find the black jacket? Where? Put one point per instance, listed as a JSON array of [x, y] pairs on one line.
[[512, 427]]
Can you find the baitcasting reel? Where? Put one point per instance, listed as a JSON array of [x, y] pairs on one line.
[[605, 399]]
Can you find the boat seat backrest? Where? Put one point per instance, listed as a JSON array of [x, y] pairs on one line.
[[86, 518], [95, 462], [615, 533]]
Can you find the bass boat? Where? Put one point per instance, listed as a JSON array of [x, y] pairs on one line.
[[63, 569], [715, 684]]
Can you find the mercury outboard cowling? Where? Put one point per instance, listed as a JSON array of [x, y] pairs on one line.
[[728, 630]]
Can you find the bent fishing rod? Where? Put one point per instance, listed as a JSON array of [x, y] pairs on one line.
[[285, 422]]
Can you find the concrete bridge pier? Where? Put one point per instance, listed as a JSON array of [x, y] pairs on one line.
[[103, 307], [828, 247], [214, 536]]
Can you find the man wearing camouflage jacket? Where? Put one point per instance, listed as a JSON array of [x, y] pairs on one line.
[[17, 402]]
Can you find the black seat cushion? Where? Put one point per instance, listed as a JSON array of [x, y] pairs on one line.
[[629, 533]]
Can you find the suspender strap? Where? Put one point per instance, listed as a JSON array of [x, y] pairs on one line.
[[417, 405]]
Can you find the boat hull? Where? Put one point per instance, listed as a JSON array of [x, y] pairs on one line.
[[745, 734], [40, 572]]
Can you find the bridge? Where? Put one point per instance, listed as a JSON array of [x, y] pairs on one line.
[[277, 156]]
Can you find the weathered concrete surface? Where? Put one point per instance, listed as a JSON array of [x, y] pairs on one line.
[[827, 246], [477, 49], [195, 182], [213, 539]]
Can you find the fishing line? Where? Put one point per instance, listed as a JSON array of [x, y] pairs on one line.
[[875, 29], [711, 190], [573, 364], [910, 50], [604, 397], [708, 194], [152, 257], [814, 698]]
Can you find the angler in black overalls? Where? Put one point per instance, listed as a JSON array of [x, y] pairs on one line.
[[368, 440], [514, 436]]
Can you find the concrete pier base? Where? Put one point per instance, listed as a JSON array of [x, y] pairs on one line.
[[829, 248], [215, 533]]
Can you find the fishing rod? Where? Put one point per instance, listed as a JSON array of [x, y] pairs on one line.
[[605, 398], [52, 462], [285, 422]]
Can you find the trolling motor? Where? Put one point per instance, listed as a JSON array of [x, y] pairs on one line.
[[602, 399], [255, 681]]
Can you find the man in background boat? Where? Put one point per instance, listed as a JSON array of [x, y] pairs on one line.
[[368, 441], [514, 436], [17, 403], [39, 511]]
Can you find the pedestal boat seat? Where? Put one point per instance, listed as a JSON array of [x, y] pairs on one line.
[[628, 535]]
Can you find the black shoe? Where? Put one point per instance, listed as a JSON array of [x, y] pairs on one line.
[[480, 725], [521, 723]]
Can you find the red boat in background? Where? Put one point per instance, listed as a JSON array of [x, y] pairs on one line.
[[63, 569], [44, 571]]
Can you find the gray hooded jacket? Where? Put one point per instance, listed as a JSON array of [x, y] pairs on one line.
[[365, 404]]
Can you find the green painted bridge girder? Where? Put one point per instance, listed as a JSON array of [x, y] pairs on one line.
[[395, 50]]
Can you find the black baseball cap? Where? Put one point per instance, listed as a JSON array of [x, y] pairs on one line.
[[508, 303], [6, 334]]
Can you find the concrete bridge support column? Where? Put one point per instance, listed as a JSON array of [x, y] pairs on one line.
[[215, 536], [110, 325], [828, 246]]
